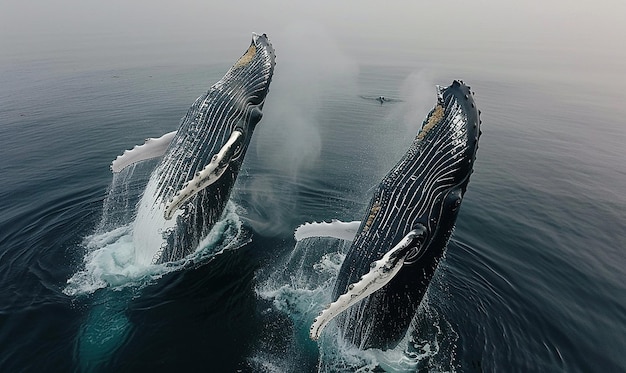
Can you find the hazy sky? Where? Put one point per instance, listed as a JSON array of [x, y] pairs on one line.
[[558, 32], [578, 23]]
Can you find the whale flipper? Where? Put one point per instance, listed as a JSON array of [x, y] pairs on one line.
[[151, 148], [335, 229], [382, 271]]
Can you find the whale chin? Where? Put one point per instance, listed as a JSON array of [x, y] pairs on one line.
[[408, 224]]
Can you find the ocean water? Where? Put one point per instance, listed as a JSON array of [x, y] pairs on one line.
[[533, 279]]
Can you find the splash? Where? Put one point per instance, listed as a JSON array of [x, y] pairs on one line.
[[116, 269], [111, 260], [116, 259], [302, 285], [150, 224], [294, 291]]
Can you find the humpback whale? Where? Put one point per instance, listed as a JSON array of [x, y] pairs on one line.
[[189, 188], [381, 99], [409, 221]]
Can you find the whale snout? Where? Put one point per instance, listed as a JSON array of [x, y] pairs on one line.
[[452, 130]]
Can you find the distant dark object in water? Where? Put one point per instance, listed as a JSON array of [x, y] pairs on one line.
[[407, 227], [381, 99]]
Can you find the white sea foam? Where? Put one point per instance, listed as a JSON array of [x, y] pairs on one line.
[[120, 252], [110, 262], [111, 258]]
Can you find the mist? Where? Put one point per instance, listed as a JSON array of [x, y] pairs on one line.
[[309, 63]]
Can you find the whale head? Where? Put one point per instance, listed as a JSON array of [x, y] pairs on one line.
[[438, 166], [251, 75]]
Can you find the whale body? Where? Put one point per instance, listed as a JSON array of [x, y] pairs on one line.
[[409, 221], [190, 187]]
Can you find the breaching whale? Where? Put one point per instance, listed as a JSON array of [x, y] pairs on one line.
[[189, 188], [409, 221]]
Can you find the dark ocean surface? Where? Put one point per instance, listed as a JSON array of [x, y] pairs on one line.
[[534, 279]]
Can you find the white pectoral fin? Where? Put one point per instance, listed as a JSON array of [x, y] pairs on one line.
[[335, 229], [381, 272], [151, 148], [209, 174]]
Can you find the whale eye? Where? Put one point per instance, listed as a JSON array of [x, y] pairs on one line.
[[255, 116]]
